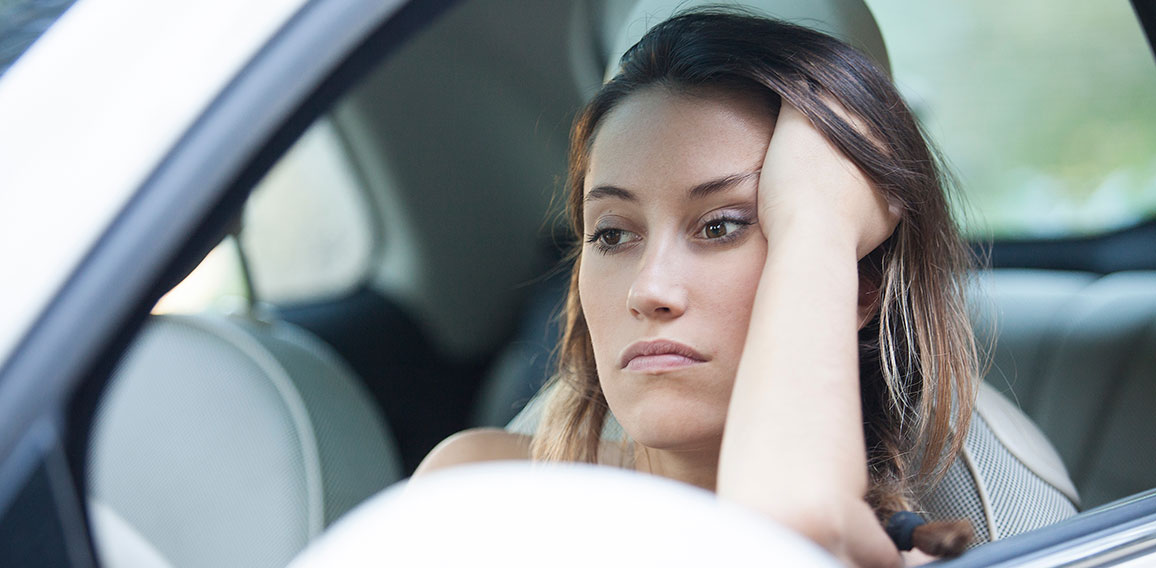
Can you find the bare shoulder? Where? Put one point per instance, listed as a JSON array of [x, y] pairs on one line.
[[476, 445]]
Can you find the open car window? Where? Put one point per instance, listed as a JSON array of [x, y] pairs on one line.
[[1046, 110], [306, 235]]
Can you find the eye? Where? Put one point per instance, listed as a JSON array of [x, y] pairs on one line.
[[719, 228], [610, 237], [609, 240], [725, 226]]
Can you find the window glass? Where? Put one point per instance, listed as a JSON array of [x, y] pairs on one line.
[[307, 234], [1045, 108], [308, 230], [217, 284]]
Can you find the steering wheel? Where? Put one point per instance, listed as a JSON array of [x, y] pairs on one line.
[[518, 514]]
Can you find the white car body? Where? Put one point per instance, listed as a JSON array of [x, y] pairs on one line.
[[88, 113]]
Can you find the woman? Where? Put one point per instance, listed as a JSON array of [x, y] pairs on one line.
[[768, 296]]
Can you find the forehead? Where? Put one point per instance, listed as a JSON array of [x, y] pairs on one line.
[[657, 137]]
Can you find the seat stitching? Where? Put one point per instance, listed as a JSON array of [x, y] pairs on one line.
[[981, 491]]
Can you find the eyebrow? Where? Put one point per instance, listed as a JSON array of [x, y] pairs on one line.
[[721, 184], [608, 191], [699, 191]]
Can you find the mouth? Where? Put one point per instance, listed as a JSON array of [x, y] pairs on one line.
[[659, 355]]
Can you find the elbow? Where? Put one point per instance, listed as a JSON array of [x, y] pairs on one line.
[[817, 516], [846, 528], [819, 513], [833, 516], [821, 521], [830, 518]]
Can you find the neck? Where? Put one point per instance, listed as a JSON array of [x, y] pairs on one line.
[[698, 467]]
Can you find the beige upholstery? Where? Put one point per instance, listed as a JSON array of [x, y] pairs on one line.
[[1023, 440], [1007, 480]]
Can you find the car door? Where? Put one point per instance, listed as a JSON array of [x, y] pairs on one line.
[[232, 84]]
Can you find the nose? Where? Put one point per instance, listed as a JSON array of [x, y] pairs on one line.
[[658, 291]]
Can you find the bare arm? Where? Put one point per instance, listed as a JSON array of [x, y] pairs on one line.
[[794, 446]]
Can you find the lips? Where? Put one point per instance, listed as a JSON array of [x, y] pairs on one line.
[[659, 355]]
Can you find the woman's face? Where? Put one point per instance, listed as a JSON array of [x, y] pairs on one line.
[[672, 257]]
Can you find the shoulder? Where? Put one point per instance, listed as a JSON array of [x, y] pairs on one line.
[[476, 445]]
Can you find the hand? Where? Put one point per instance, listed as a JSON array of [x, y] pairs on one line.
[[809, 185]]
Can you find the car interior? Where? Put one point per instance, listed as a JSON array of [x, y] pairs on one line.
[[396, 278]]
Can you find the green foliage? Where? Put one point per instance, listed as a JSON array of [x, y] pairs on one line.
[[1047, 109]]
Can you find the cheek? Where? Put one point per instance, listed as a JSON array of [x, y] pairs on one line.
[[726, 295], [602, 291]]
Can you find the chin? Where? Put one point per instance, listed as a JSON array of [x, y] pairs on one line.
[[665, 426]]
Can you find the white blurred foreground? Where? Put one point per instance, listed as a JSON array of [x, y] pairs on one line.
[[517, 514]]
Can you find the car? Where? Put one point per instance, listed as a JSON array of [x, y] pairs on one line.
[[261, 257]]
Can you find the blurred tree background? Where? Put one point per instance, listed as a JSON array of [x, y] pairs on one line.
[[1046, 109]]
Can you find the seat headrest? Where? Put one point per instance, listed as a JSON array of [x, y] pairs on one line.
[[848, 20]]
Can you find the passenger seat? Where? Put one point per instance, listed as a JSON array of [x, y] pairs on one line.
[[1077, 350], [229, 442]]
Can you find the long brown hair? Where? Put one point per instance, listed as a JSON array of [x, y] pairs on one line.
[[918, 359]]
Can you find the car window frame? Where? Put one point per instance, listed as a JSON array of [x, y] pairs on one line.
[[55, 376]]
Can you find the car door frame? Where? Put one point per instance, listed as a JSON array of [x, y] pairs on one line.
[[50, 384]]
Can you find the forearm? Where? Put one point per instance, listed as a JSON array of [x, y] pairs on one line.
[[793, 447], [794, 420]]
